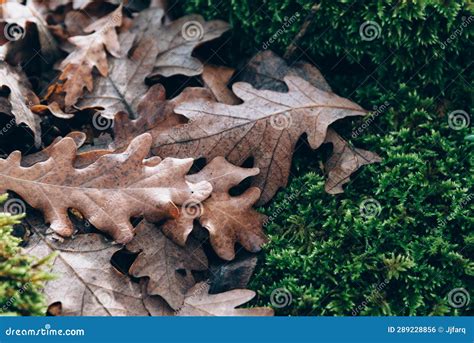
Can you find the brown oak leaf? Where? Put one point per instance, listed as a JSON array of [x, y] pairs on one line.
[[229, 219], [108, 192], [217, 78], [266, 126], [177, 40], [86, 283], [124, 85], [266, 70], [18, 97], [89, 53], [343, 162], [156, 114], [199, 302], [168, 266], [82, 160]]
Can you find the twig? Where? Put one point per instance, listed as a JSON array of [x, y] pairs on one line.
[[309, 18]]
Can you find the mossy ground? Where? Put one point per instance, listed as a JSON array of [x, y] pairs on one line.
[[418, 247], [21, 276]]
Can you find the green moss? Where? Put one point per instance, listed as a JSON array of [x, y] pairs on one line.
[[406, 259], [21, 277]]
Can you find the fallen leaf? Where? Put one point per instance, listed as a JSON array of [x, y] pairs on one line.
[[177, 40], [156, 49], [108, 192], [344, 161], [199, 302], [266, 127], [217, 78], [229, 219], [40, 156], [19, 98], [168, 266], [124, 85], [83, 159], [233, 274], [86, 283], [266, 70], [90, 52], [155, 114]]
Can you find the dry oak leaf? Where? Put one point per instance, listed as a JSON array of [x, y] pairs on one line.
[[90, 52], [151, 44], [16, 89], [216, 78], [83, 159], [343, 162], [199, 302], [168, 266], [229, 219], [266, 70], [86, 283], [177, 40], [123, 88], [266, 127], [156, 114], [108, 192]]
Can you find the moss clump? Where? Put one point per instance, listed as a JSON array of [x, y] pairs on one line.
[[332, 257], [21, 277]]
